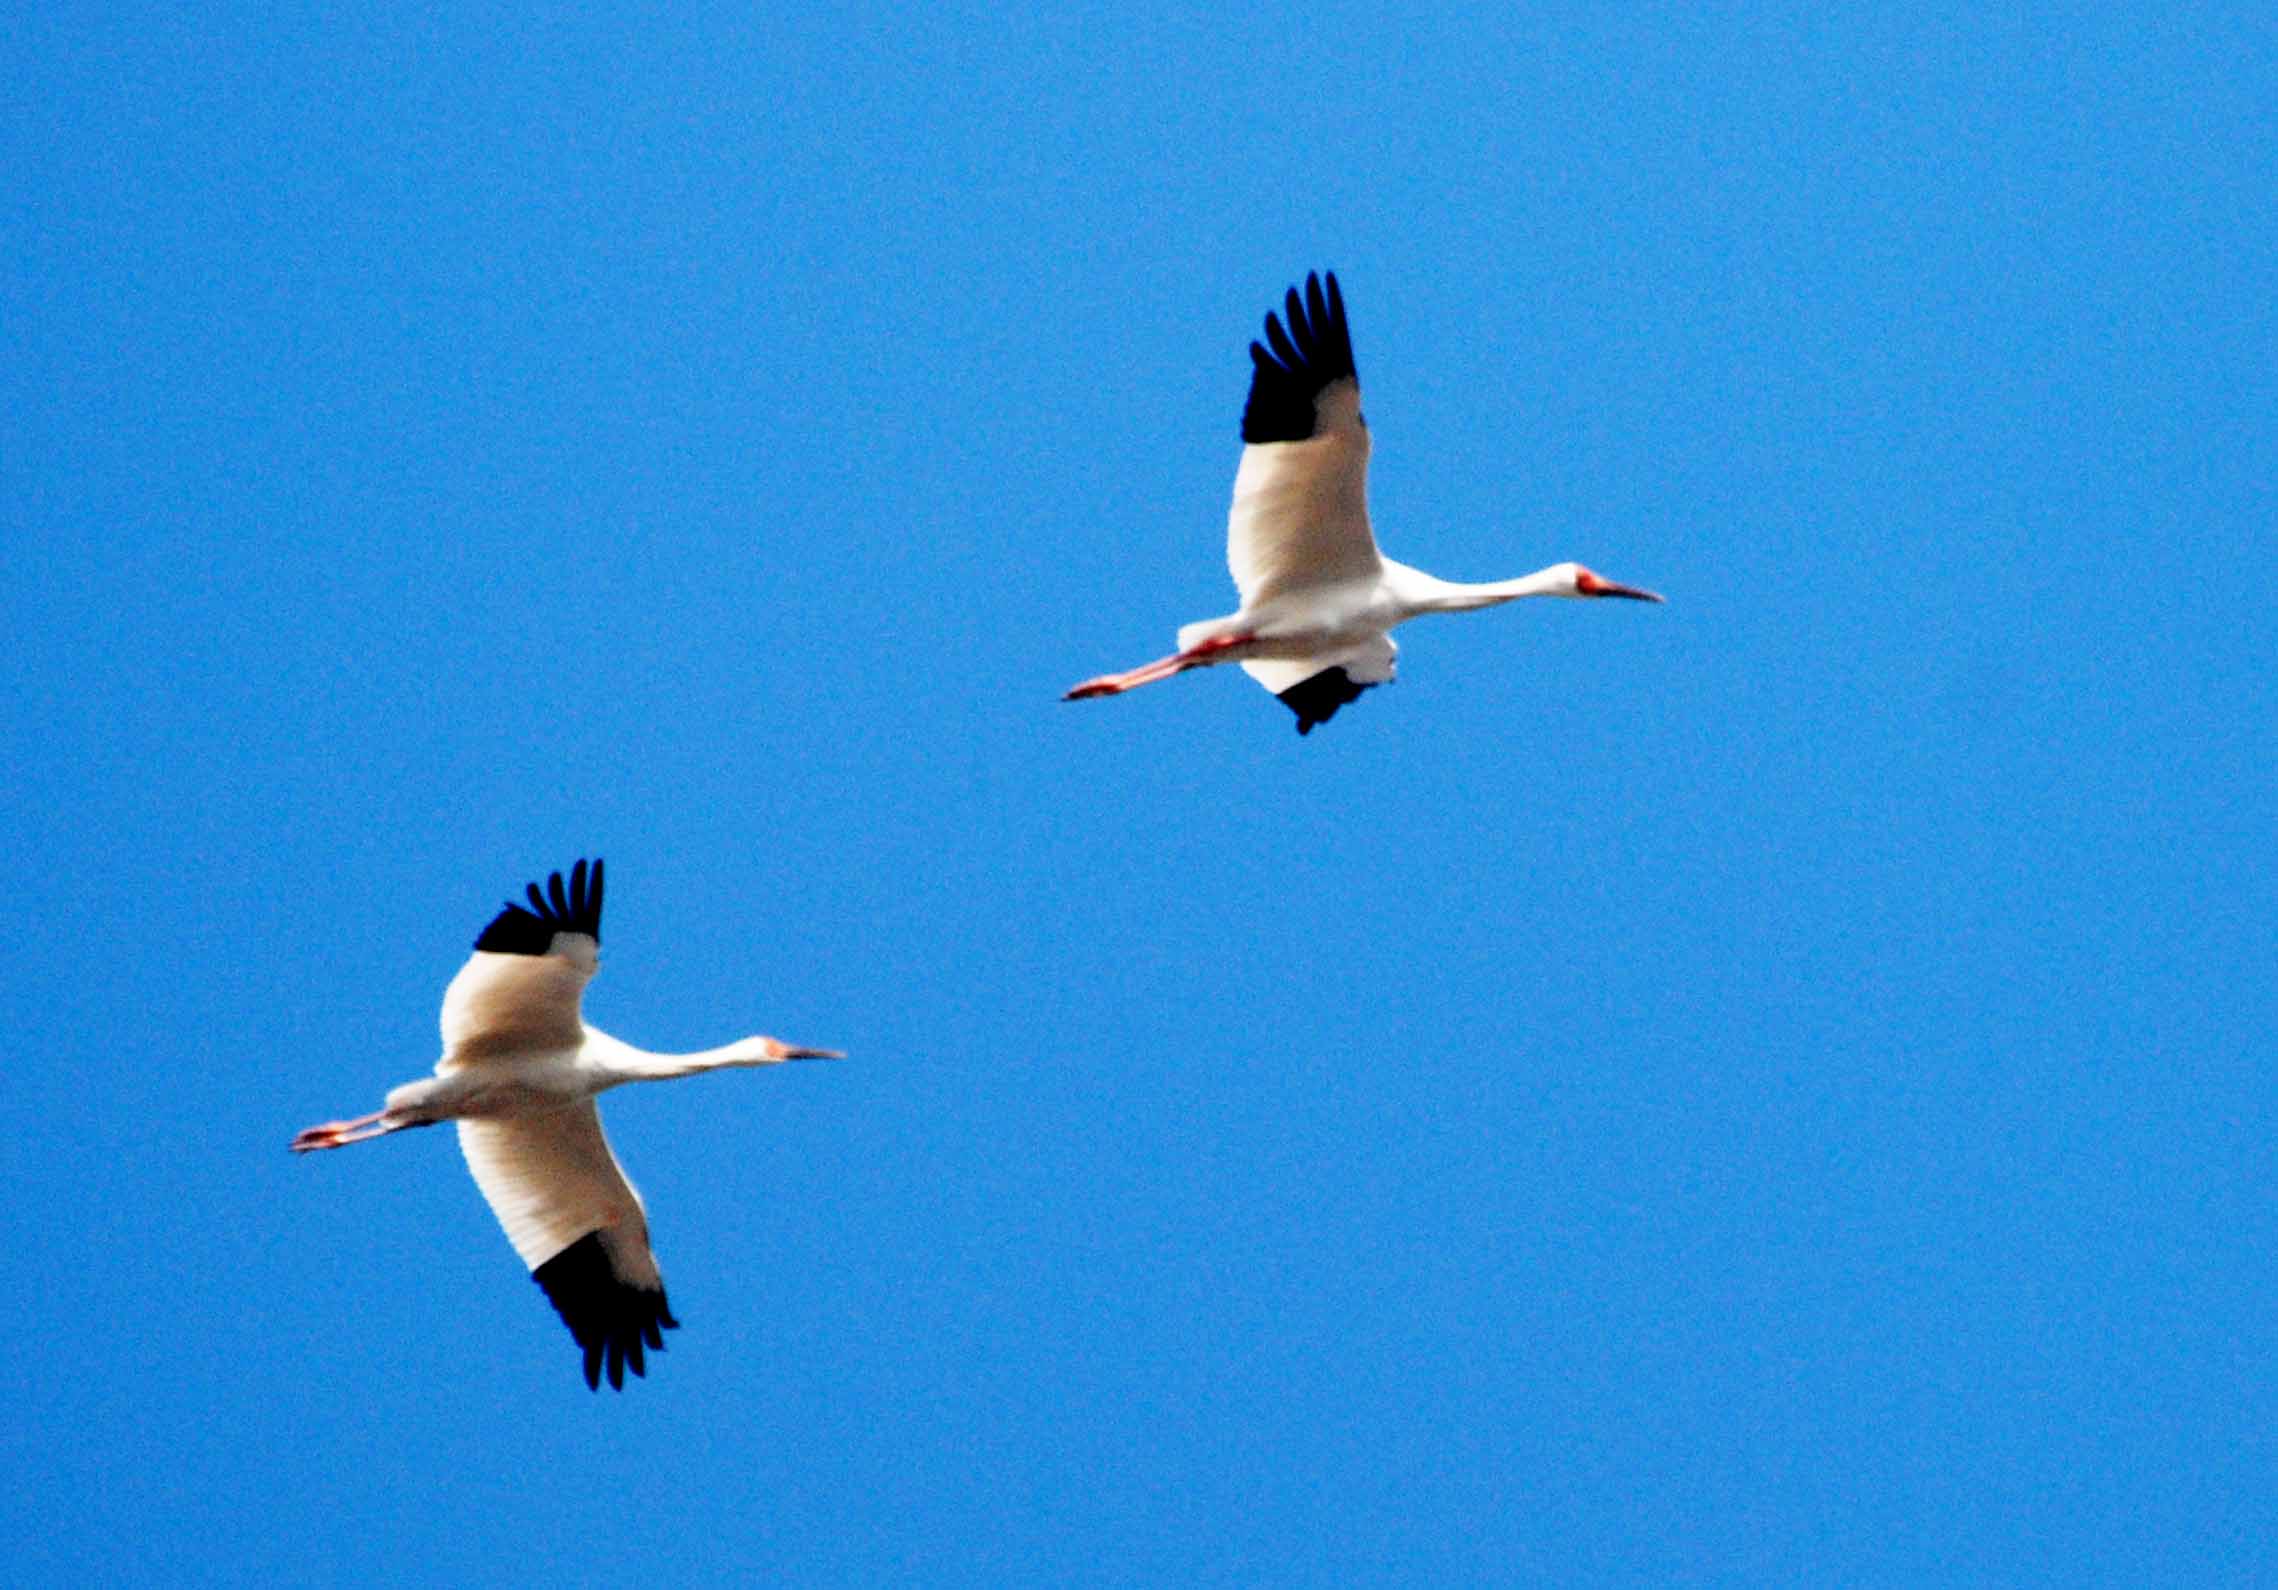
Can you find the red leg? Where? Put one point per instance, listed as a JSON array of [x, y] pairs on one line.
[[334, 1133], [1161, 668]]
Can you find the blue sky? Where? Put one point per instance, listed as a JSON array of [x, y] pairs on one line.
[[1770, 1087]]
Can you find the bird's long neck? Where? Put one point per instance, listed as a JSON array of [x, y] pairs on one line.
[[1428, 593], [620, 1062]]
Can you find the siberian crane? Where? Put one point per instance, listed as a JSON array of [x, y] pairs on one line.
[[1319, 602], [519, 1073]]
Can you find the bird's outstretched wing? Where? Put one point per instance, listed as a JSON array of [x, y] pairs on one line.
[[579, 1226], [520, 990], [1300, 515], [1315, 687]]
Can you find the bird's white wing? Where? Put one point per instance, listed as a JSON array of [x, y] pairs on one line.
[[520, 991], [1300, 514], [1315, 687], [579, 1226], [551, 1180]]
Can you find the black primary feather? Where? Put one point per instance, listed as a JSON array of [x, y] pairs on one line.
[[530, 930], [611, 1319], [1317, 699], [1302, 362]]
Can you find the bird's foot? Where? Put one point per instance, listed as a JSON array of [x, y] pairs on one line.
[[331, 1134]]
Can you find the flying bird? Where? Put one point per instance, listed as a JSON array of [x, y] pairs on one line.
[[519, 1073], [1319, 602]]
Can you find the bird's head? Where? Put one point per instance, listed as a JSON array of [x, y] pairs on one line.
[[1580, 581]]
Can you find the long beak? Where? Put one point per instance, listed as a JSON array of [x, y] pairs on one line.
[[777, 1049], [1609, 588]]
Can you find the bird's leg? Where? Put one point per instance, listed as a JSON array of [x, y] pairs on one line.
[[332, 1134], [1177, 662], [1116, 684]]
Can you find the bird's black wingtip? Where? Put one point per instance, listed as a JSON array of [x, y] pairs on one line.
[[1295, 364], [1315, 700], [612, 1321], [573, 906]]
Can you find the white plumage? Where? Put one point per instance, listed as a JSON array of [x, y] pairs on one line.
[[1318, 599], [519, 1073]]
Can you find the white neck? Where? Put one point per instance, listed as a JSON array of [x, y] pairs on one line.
[[1428, 593], [619, 1062]]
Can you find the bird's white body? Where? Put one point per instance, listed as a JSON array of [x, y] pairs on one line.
[[1319, 601], [519, 1073]]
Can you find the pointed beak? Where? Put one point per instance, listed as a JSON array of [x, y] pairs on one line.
[[779, 1050], [1594, 585]]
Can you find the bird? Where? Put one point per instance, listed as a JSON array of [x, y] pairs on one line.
[[519, 1073], [1319, 601]]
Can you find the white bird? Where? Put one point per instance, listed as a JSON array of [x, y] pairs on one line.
[[519, 1073], [1319, 601]]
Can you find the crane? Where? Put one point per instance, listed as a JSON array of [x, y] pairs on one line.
[[1319, 602], [519, 1073]]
